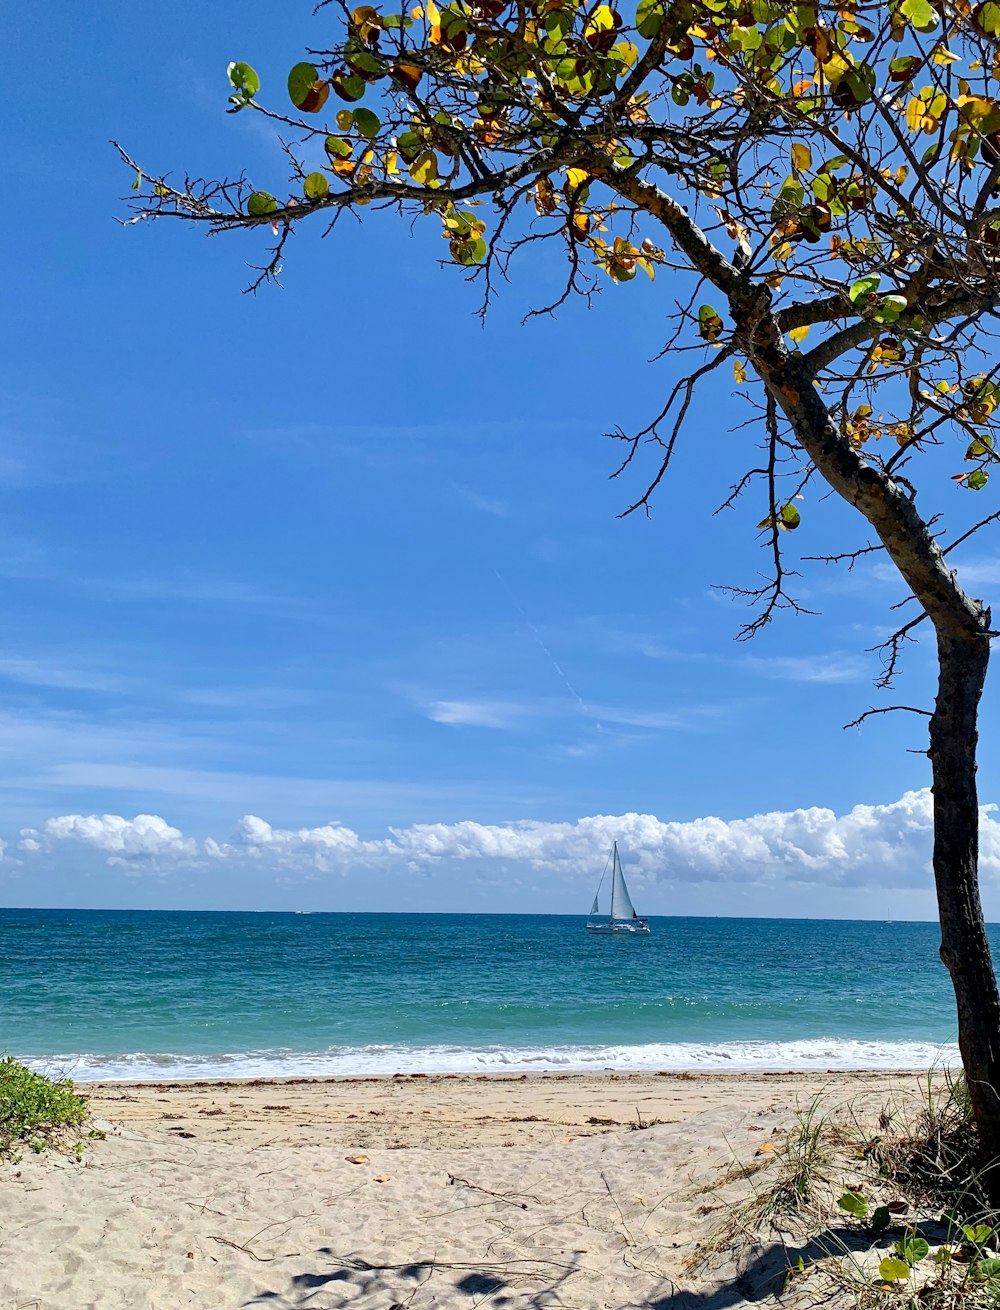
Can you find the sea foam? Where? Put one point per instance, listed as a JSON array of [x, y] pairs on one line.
[[831, 1053]]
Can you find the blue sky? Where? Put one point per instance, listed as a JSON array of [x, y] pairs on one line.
[[340, 555]]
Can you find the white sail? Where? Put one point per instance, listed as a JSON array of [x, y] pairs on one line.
[[594, 909], [621, 902]]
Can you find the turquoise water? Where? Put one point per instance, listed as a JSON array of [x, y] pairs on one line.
[[139, 994]]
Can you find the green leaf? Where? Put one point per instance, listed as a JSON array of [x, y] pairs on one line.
[[260, 204], [889, 308], [987, 1270], [315, 186], [920, 14], [789, 518], [348, 86], [337, 148], [709, 323], [244, 78], [892, 1270], [865, 286], [649, 18], [977, 479], [469, 252], [852, 1203], [913, 1250], [301, 81], [987, 18], [977, 1234], [366, 123], [881, 1219]]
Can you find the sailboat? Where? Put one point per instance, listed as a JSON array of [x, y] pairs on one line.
[[622, 918]]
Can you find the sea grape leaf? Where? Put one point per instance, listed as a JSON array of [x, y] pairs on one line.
[[913, 1249], [244, 78], [710, 324], [366, 123], [920, 14], [261, 203], [852, 1203], [306, 90], [977, 1234], [315, 186], [864, 286], [789, 518], [892, 1270]]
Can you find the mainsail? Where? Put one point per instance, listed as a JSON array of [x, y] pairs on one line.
[[621, 902]]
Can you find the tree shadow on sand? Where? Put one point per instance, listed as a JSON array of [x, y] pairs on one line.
[[526, 1284]]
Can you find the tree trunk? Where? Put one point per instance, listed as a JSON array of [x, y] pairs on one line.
[[962, 625], [965, 950]]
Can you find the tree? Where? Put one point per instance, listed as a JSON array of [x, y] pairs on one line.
[[833, 167]]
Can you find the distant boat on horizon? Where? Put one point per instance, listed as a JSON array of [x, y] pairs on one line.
[[622, 917]]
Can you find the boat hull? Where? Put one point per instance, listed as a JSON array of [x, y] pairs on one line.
[[624, 928]]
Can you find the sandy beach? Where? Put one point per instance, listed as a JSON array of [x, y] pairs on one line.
[[447, 1191]]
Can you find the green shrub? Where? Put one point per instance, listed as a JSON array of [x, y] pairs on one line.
[[34, 1108]]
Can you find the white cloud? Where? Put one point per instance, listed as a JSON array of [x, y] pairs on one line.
[[873, 845], [833, 667], [147, 837], [974, 571], [475, 713], [485, 504]]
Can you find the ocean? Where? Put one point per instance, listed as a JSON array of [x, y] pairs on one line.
[[156, 994]]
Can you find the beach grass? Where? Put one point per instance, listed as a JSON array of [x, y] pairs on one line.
[[869, 1209], [34, 1110]]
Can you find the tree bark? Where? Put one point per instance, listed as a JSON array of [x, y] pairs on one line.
[[965, 950]]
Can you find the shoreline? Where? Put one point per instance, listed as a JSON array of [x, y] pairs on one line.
[[808, 1054]]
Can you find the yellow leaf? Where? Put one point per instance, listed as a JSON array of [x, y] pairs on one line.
[[433, 13], [647, 266], [914, 113], [801, 157], [417, 11], [942, 56], [739, 370], [800, 333], [424, 168], [391, 166], [576, 177]]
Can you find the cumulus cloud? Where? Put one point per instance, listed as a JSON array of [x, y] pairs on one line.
[[875, 845], [147, 837]]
